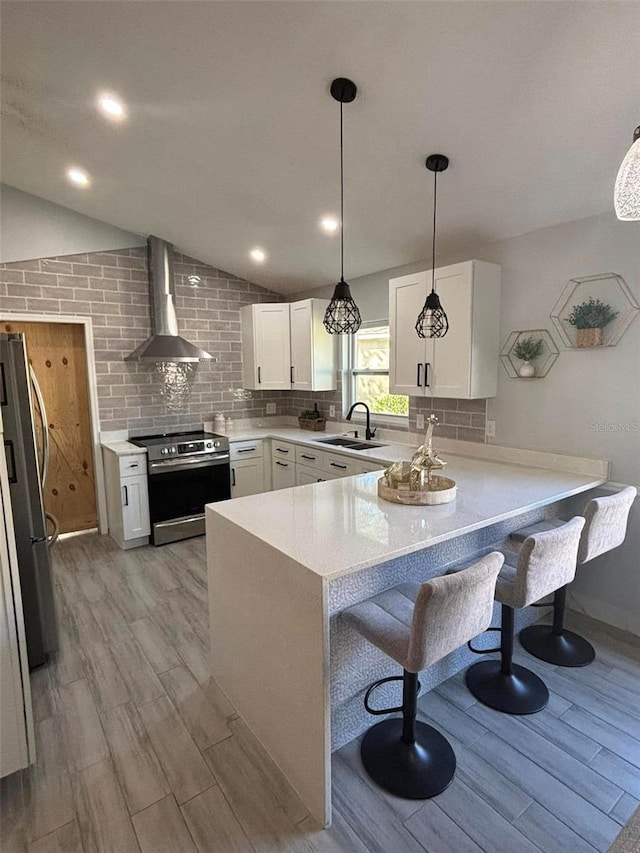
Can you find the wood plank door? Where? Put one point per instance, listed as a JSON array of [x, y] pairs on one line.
[[58, 356]]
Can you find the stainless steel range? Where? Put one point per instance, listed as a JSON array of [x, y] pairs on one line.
[[186, 471]]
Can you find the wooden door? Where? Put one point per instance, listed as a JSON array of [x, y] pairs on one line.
[[58, 356]]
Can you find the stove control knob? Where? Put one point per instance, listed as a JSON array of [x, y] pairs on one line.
[[172, 450], [216, 444], [164, 451], [209, 445]]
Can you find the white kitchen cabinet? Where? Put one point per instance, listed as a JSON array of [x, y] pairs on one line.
[[127, 498], [283, 474], [247, 468], [306, 474], [285, 346], [462, 364], [313, 349]]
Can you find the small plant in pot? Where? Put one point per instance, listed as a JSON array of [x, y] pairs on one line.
[[590, 318], [527, 350], [311, 419]]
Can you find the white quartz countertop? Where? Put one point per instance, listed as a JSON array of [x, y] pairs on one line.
[[340, 526], [123, 447]]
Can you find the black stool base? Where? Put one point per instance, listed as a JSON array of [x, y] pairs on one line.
[[565, 649], [521, 692], [415, 771]]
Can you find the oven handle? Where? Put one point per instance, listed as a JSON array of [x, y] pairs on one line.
[[184, 465]]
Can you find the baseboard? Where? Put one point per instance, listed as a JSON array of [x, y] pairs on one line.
[[603, 611]]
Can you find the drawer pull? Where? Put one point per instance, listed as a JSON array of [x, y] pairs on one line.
[[304, 456], [283, 464], [246, 449], [281, 450], [335, 465]]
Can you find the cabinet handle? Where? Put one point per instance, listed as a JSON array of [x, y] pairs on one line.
[[426, 374], [335, 465], [259, 377], [418, 382], [304, 456], [246, 449], [281, 450], [133, 465], [233, 476], [283, 464], [292, 374], [125, 491]]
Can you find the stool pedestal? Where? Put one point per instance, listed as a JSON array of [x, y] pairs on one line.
[[408, 758], [554, 644]]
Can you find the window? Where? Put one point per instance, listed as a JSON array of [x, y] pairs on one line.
[[367, 374]]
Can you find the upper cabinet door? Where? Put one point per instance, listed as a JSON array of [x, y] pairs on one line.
[[272, 356], [301, 345], [450, 357], [407, 355], [313, 349]]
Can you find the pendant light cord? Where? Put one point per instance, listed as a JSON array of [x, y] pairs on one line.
[[433, 244], [341, 198]]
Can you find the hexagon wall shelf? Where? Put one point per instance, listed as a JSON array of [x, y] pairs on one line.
[[608, 287], [543, 363]]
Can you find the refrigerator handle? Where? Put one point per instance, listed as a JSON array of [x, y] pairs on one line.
[[45, 426]]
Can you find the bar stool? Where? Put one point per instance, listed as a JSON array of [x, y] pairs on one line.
[[417, 625], [546, 562], [605, 528]]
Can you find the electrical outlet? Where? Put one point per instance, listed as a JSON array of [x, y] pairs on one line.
[[332, 411], [419, 421], [490, 429], [271, 408]]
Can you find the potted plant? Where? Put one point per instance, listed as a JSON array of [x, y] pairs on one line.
[[590, 318], [527, 350], [311, 419]]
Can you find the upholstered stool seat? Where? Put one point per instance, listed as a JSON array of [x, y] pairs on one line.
[[605, 528], [545, 562], [417, 625]]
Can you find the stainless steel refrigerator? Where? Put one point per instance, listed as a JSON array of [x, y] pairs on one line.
[[26, 477]]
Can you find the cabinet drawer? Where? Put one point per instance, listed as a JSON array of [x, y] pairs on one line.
[[283, 450], [305, 475], [343, 466], [245, 450], [367, 467], [309, 456], [132, 464]]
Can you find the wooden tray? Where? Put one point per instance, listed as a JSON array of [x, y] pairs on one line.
[[312, 424], [443, 491]]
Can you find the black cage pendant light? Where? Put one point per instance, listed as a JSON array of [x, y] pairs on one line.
[[342, 316], [432, 321]]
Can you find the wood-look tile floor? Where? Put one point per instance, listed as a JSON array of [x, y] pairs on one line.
[[138, 750]]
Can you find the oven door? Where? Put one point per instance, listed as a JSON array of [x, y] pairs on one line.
[[178, 492]]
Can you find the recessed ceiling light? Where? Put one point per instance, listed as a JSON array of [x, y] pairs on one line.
[[111, 106], [258, 255], [329, 224], [78, 177]]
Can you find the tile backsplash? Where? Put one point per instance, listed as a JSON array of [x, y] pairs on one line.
[[112, 288]]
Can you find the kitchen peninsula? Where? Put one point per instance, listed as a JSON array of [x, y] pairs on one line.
[[283, 565]]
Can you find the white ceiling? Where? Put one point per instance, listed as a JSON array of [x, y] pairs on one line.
[[232, 136]]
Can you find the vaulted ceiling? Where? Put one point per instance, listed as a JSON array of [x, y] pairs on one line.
[[232, 138]]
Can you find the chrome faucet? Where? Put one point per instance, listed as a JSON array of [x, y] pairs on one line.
[[369, 433]]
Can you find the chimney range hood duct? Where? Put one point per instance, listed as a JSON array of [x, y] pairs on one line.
[[165, 344]]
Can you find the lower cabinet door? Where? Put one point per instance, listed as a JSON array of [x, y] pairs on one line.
[[135, 507], [247, 477], [283, 474], [306, 474]]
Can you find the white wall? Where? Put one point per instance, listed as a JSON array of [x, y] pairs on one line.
[[31, 227], [584, 388]]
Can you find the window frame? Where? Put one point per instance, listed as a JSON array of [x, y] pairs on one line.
[[350, 374]]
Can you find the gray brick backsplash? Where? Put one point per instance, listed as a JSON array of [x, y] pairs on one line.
[[112, 288]]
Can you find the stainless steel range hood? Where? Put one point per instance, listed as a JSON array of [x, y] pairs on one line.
[[165, 344]]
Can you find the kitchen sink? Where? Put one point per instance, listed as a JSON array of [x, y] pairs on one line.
[[349, 443]]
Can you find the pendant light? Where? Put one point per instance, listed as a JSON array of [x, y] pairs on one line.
[[342, 316], [432, 321], [627, 192]]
